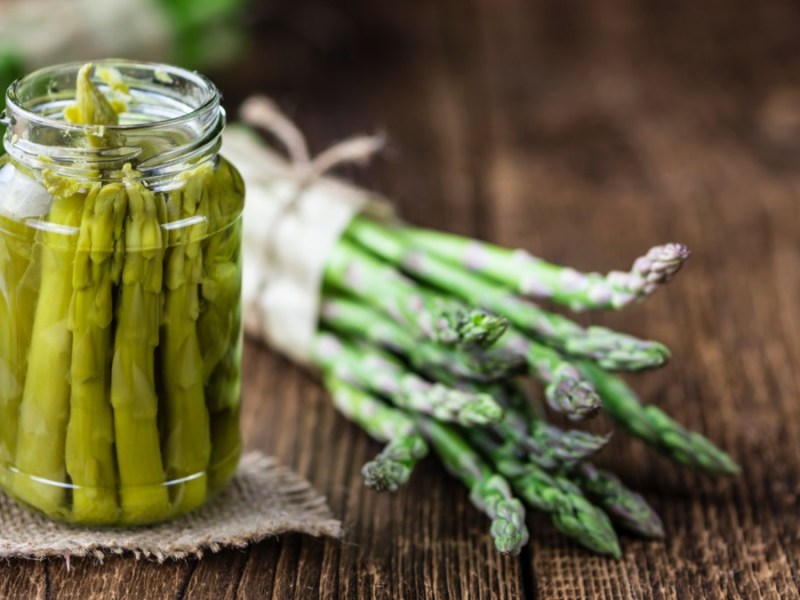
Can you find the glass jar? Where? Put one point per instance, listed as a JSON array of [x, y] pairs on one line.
[[120, 315]]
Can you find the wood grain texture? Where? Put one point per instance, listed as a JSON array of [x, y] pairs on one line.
[[584, 132]]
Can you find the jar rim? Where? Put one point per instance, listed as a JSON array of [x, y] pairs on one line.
[[173, 118], [18, 108]]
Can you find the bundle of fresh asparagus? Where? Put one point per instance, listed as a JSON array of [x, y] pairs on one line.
[[120, 335], [423, 339]]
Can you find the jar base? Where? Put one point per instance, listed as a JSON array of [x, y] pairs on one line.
[[118, 507]]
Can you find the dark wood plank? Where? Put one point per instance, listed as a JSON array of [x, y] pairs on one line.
[[23, 579], [584, 132], [120, 578], [626, 148]]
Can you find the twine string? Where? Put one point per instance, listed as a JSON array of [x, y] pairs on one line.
[[261, 112]]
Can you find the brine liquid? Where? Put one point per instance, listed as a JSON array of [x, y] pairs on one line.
[[120, 347]]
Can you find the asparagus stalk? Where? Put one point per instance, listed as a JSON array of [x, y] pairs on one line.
[[393, 466], [566, 390], [547, 446], [44, 408], [611, 350], [224, 392], [17, 300], [89, 452], [489, 492], [570, 511], [188, 442], [625, 506], [656, 428], [223, 398], [357, 320], [380, 373], [219, 326], [143, 495], [446, 321], [219, 322], [531, 276]]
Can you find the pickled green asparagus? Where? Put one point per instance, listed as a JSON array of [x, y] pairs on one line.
[[90, 431], [120, 318]]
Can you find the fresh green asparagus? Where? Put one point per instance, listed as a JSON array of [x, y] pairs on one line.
[[354, 319], [625, 506], [395, 296], [446, 321], [489, 492], [380, 373], [545, 445], [566, 389], [656, 428], [534, 277], [611, 350], [571, 512], [392, 467]]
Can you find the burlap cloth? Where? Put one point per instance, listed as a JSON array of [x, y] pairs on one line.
[[264, 500]]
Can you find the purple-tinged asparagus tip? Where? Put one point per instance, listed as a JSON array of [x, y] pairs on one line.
[[660, 264]]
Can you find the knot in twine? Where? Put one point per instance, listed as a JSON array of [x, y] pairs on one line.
[[261, 112]]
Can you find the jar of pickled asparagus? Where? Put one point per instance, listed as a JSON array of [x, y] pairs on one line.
[[120, 276]]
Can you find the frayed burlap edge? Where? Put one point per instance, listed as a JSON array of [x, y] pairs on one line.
[[264, 500]]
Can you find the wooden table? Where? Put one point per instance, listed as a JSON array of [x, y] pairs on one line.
[[584, 132]]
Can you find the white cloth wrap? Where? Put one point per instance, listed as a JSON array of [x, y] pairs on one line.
[[290, 229]]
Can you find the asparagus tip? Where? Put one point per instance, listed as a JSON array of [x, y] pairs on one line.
[[393, 466], [383, 474], [625, 506], [508, 527], [570, 394], [615, 351], [660, 264], [473, 328], [482, 411]]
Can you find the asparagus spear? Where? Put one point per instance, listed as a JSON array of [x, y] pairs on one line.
[[44, 408], [188, 443], [381, 373], [91, 106], [449, 322], [625, 506], [224, 393], [143, 495], [545, 445], [219, 326], [531, 276], [611, 350], [89, 452], [393, 466], [17, 300], [656, 428], [489, 492], [355, 319], [570, 511], [219, 322], [566, 390]]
